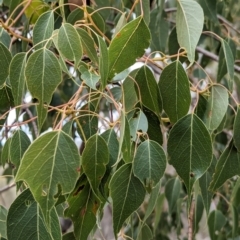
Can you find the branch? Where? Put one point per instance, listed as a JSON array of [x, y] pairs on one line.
[[7, 188]]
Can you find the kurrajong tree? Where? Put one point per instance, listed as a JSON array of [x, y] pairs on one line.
[[130, 105]]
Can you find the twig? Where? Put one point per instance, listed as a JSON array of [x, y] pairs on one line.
[[190, 221], [7, 188]]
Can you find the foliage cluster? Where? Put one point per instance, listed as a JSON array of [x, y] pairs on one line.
[[178, 106]]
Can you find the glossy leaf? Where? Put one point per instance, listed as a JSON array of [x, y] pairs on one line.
[[48, 157], [69, 43], [149, 94], [189, 26], [172, 193], [95, 157], [19, 144], [43, 29], [126, 47], [127, 193], [216, 221], [174, 82], [236, 130], [103, 62], [216, 107], [120, 24], [149, 163], [227, 166], [126, 141], [43, 74], [88, 45], [5, 60], [83, 207], [3, 220], [17, 78], [25, 220], [189, 149]]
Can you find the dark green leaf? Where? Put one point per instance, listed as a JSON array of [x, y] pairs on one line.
[[4, 37], [5, 157], [149, 163], [235, 218], [227, 166], [43, 29], [209, 8], [175, 91], [190, 149], [149, 94], [172, 193], [43, 74], [3, 219], [216, 107], [25, 220], [19, 144], [236, 130], [47, 158], [5, 60], [216, 221], [126, 141], [198, 212], [95, 157], [145, 233], [17, 78], [126, 46], [69, 43], [83, 207], [127, 194]]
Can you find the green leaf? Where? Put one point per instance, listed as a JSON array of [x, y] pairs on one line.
[[94, 160], [69, 43], [137, 122], [154, 128], [83, 206], [234, 213], [216, 221], [172, 193], [43, 29], [4, 63], [129, 95], [25, 220], [159, 28], [43, 74], [190, 149], [88, 45], [235, 196], [103, 62], [149, 94], [89, 78], [19, 144], [3, 219], [87, 124], [201, 108], [126, 141], [4, 37], [149, 163], [209, 8], [189, 26], [145, 233], [127, 46], [229, 61], [216, 107], [127, 193], [152, 201], [17, 78], [69, 236], [120, 24], [5, 156], [236, 130], [158, 211], [6, 101], [47, 158], [143, 9], [198, 212], [227, 166], [174, 82], [204, 183]]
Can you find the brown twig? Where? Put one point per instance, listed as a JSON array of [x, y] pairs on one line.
[[4, 189]]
